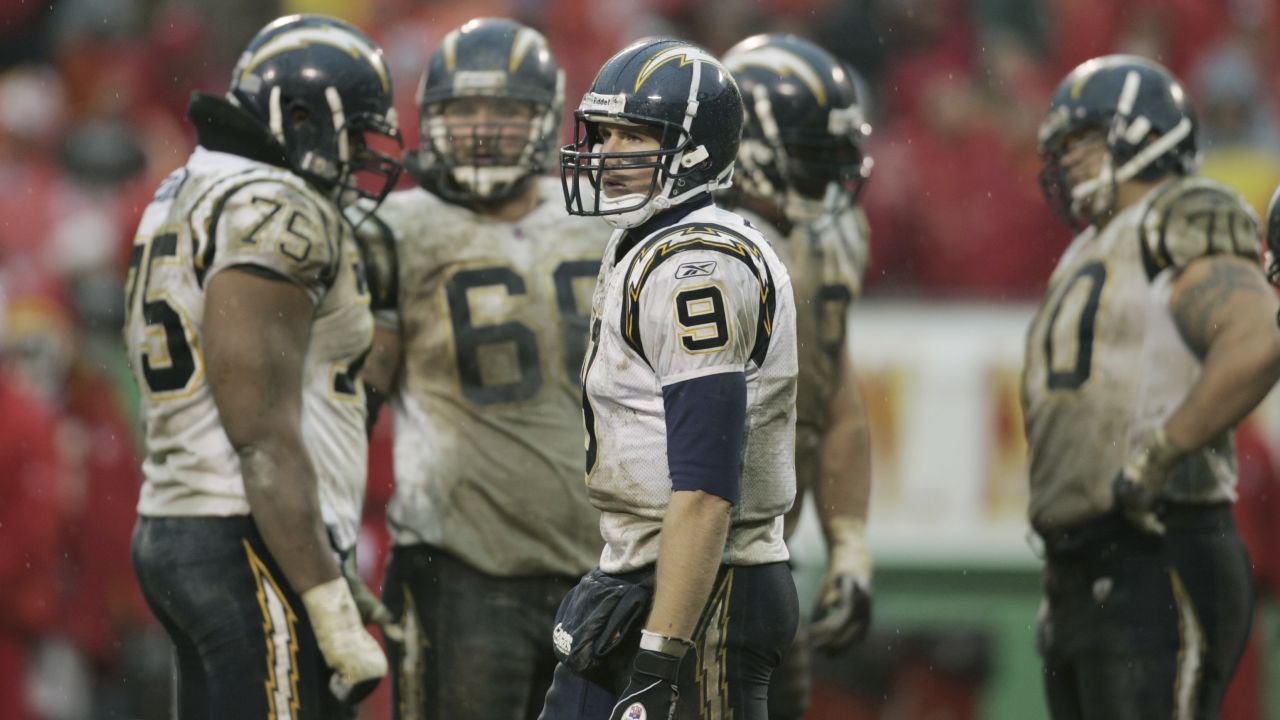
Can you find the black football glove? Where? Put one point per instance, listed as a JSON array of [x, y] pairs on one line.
[[843, 615], [651, 692]]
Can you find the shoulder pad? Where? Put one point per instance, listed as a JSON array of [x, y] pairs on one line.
[[272, 223], [1193, 218]]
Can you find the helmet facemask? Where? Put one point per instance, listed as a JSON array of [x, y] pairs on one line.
[[347, 157], [485, 148], [805, 172], [628, 188], [823, 174], [372, 167], [1090, 196]]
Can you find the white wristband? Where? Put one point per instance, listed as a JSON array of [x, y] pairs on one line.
[[657, 642]]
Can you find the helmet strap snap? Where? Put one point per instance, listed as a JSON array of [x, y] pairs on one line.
[[694, 157]]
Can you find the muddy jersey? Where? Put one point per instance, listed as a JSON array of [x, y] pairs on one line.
[[223, 211], [705, 296], [826, 259], [1105, 361], [488, 419]]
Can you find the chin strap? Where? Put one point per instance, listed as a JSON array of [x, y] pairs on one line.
[[1089, 192]]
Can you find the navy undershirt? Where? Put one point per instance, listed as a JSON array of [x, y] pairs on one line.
[[706, 423]]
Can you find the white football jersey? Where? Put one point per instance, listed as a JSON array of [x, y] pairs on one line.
[[1105, 362], [826, 259], [217, 212], [705, 296], [488, 411]]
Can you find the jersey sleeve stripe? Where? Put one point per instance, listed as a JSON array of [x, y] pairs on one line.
[[205, 260]]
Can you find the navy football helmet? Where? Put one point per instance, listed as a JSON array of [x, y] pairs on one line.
[[802, 145], [1142, 114], [488, 158], [681, 92], [323, 92]]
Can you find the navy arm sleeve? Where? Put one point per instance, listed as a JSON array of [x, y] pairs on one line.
[[706, 421]]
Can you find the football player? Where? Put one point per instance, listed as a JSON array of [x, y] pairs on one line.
[[490, 521], [1156, 336], [247, 324], [689, 406], [801, 168]]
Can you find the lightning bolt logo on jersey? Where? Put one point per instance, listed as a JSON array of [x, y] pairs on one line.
[[218, 212], [704, 297]]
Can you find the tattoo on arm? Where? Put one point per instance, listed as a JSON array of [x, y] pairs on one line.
[[1196, 308]]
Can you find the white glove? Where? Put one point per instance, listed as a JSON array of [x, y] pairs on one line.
[[1143, 476], [352, 653]]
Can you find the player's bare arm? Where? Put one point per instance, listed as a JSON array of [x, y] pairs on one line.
[[842, 497], [255, 366], [1225, 311], [693, 537], [844, 487], [382, 368]]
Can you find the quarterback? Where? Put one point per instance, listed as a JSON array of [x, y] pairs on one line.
[[688, 404]]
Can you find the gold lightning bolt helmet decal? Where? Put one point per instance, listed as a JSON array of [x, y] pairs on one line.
[[686, 54], [785, 64], [450, 47], [329, 35], [525, 40]]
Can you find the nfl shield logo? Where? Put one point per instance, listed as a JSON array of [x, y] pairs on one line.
[[635, 712]]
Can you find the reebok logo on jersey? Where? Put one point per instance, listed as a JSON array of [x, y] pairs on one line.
[[695, 269]]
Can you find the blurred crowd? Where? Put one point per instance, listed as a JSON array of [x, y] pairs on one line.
[[93, 98]]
